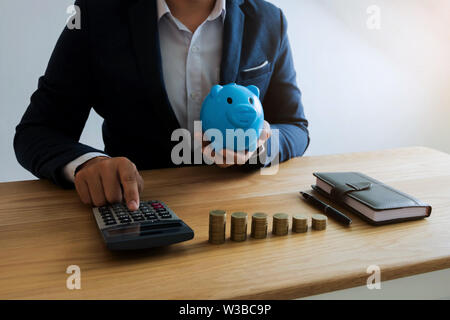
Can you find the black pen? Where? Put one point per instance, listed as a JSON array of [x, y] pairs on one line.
[[336, 214]]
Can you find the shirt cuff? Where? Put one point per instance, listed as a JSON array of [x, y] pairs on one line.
[[69, 169]]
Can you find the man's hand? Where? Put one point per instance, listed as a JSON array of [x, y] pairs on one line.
[[237, 158], [104, 180]]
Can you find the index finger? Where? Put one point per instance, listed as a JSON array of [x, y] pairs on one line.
[[129, 181]]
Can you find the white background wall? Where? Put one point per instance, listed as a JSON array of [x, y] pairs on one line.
[[363, 89]]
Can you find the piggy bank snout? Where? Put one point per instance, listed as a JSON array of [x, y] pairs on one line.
[[242, 115]]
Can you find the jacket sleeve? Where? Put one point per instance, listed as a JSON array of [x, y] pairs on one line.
[[283, 107], [47, 137]]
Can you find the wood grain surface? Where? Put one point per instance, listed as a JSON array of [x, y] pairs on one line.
[[44, 229]]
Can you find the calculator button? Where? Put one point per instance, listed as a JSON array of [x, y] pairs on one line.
[[110, 223], [166, 216]]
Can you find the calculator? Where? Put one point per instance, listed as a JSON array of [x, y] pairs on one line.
[[154, 224]]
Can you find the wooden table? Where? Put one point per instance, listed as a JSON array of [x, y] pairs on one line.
[[44, 229]]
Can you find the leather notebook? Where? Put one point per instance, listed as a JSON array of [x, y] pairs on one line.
[[372, 200]]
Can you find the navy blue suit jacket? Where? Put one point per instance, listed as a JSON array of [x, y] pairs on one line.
[[113, 64]]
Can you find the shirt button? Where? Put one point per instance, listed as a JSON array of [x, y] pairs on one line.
[[195, 49], [195, 96]]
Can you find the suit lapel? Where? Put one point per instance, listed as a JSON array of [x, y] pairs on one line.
[[145, 38], [232, 42]]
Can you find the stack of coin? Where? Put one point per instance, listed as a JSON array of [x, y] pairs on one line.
[[239, 226], [319, 222], [217, 223], [299, 223], [259, 226], [280, 226]]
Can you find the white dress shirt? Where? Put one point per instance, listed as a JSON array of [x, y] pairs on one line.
[[190, 63]]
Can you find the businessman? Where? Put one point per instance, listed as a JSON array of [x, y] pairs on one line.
[[145, 66]]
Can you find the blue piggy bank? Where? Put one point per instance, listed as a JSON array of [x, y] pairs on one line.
[[233, 107]]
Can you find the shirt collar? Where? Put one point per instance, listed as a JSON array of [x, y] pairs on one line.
[[218, 10]]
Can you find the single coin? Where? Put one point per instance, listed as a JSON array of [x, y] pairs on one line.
[[280, 216], [238, 237], [259, 216], [239, 215], [300, 217], [217, 213], [217, 220], [261, 228], [319, 217]]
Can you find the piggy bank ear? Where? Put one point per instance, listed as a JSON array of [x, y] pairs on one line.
[[215, 90], [254, 89]]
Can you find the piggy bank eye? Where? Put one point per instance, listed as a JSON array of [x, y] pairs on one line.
[[250, 100], [230, 101]]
